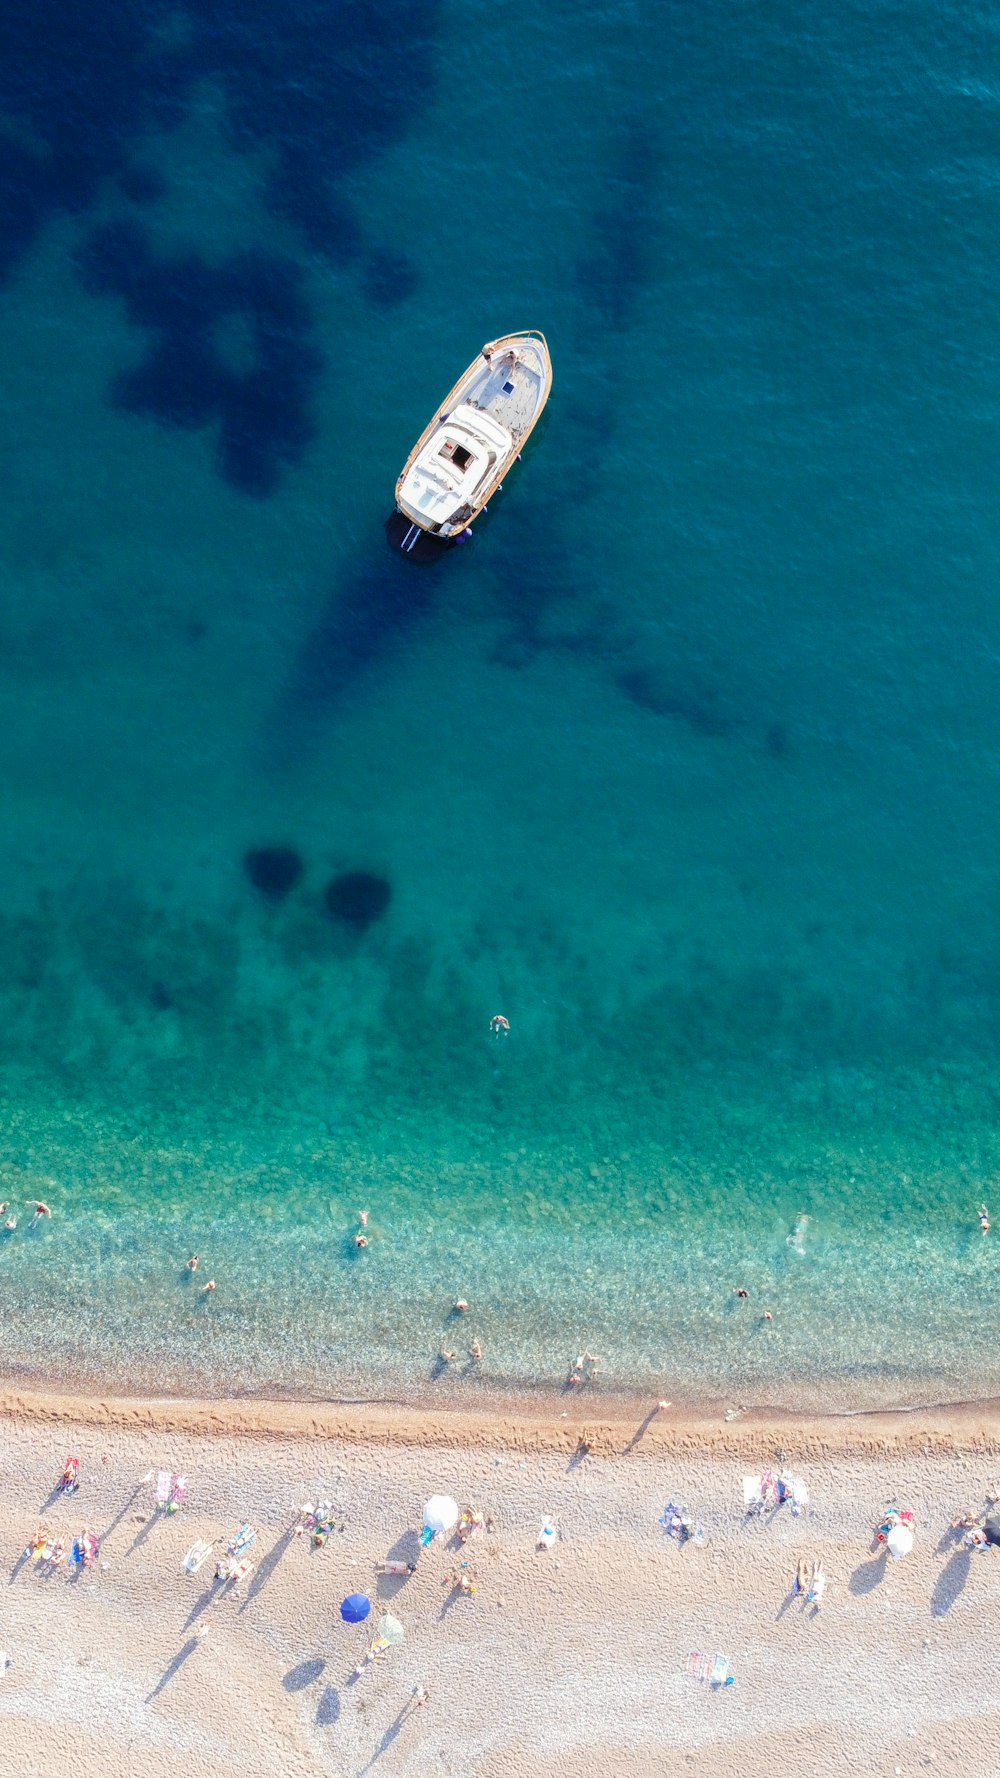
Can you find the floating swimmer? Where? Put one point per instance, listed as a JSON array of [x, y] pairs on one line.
[[797, 1239], [984, 1219], [499, 1025]]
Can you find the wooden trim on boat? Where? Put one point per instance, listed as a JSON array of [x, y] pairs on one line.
[[505, 342]]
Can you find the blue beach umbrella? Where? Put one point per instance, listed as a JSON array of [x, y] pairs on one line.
[[355, 1608]]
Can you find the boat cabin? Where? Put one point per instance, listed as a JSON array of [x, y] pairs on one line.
[[460, 455]]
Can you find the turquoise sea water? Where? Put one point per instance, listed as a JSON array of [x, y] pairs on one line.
[[687, 764]]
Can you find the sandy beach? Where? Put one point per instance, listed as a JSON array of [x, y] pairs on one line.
[[566, 1661]]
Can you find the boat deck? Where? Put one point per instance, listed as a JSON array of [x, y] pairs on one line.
[[516, 410]]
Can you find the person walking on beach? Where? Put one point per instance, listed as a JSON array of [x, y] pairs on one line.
[[420, 1696]]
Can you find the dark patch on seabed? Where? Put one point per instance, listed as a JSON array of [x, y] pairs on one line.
[[80, 84], [619, 263], [364, 619], [263, 406], [80, 87]]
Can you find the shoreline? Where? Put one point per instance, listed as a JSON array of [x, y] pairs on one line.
[[530, 1424]]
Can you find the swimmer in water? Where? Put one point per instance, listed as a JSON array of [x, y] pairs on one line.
[[797, 1238], [191, 1265], [363, 1218], [984, 1219], [11, 1222], [38, 1207], [209, 1286], [360, 1239]]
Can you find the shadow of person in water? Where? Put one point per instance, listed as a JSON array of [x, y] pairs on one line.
[[950, 1582], [176, 1664], [267, 1567], [868, 1575]]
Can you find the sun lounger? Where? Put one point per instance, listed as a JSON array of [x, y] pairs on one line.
[[197, 1554], [719, 1673]]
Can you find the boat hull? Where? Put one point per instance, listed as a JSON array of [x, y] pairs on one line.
[[473, 439]]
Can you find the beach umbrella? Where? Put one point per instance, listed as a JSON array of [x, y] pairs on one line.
[[899, 1542], [390, 1629], [355, 1608], [440, 1513]]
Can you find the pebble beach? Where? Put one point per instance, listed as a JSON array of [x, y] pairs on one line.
[[570, 1660]]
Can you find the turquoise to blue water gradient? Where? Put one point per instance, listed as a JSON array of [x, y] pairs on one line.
[[687, 764]]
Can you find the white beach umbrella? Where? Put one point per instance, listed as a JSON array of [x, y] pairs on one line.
[[441, 1513], [899, 1542]]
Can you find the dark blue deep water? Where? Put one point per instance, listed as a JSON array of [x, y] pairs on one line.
[[688, 764]]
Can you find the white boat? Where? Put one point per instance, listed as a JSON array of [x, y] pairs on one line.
[[462, 456]]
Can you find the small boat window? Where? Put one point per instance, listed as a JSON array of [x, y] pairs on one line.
[[508, 388], [456, 453]]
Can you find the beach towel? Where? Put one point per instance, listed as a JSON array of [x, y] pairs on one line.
[[720, 1674], [163, 1481], [698, 1665]]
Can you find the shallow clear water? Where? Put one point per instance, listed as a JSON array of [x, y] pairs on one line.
[[687, 764]]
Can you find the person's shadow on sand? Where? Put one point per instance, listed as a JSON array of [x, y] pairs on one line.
[[268, 1566], [199, 1605], [788, 1601], [387, 1739], [950, 1582], [178, 1661], [868, 1575], [119, 1516], [405, 1549]]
